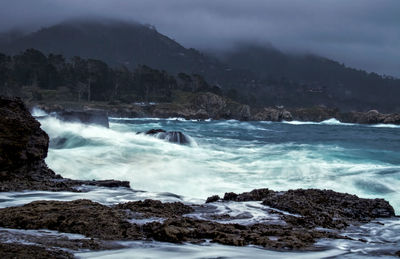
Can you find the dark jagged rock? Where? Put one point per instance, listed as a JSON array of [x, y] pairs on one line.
[[170, 136], [254, 195], [56, 239], [80, 216], [213, 198], [178, 230], [316, 114], [270, 114], [370, 117], [327, 208], [15, 251], [323, 208], [154, 131], [23, 148], [87, 117], [112, 223], [154, 208]]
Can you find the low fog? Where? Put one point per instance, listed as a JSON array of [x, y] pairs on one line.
[[360, 33]]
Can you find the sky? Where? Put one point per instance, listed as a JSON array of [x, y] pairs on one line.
[[363, 34]]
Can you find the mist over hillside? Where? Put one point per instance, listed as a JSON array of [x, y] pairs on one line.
[[256, 74]]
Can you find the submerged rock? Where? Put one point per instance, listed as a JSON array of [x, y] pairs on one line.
[[170, 136]]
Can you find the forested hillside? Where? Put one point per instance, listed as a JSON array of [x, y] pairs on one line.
[[256, 75]]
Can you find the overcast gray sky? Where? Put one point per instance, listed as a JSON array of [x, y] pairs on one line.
[[360, 33]]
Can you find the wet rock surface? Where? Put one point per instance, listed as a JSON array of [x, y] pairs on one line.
[[301, 210], [8, 250], [80, 216], [170, 136], [323, 208], [155, 208], [112, 223], [46, 238]]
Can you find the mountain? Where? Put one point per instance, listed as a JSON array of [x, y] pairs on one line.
[[116, 43], [312, 80], [252, 74]]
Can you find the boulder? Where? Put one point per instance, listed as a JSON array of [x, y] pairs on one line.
[[170, 136]]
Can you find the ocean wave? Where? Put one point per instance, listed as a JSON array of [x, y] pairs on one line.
[[37, 112], [331, 121]]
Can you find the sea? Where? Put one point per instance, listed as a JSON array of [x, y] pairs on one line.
[[229, 156]]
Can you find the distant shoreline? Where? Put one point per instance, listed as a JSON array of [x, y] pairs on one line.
[[219, 112]]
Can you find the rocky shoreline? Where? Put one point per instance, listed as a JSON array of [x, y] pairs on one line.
[[211, 106], [300, 217]]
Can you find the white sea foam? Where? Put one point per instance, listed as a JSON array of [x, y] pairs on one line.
[[208, 250], [216, 165], [37, 112], [331, 121]]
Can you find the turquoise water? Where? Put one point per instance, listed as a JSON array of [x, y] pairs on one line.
[[233, 156]]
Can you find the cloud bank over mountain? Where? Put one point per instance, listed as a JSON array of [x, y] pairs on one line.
[[360, 33]]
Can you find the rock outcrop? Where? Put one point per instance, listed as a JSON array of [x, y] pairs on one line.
[[370, 117], [315, 114], [170, 136], [23, 148], [301, 212], [113, 223], [270, 114], [8, 250], [323, 208]]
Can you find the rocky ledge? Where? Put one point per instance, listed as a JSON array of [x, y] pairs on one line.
[[209, 105], [304, 216], [23, 148], [318, 114]]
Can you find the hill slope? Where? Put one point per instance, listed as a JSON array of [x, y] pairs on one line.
[[260, 76], [115, 42]]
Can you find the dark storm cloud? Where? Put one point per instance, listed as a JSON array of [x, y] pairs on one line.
[[361, 33]]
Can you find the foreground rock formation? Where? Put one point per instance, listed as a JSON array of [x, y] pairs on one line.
[[300, 213], [317, 208], [23, 148]]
